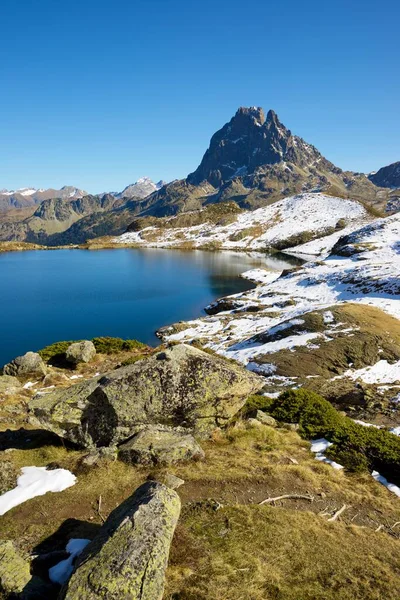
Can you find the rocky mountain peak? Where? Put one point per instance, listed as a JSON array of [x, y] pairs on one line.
[[248, 141], [253, 113]]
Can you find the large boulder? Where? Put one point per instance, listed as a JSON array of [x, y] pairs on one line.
[[181, 386], [79, 352], [154, 446], [129, 555], [28, 365]]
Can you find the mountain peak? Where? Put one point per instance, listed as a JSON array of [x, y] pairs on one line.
[[250, 140], [254, 113]]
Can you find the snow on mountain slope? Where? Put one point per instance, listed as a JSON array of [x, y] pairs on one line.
[[292, 220], [141, 188], [365, 270]]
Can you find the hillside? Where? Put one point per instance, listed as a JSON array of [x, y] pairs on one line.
[[284, 224]]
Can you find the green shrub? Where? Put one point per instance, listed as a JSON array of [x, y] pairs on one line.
[[111, 345], [254, 403], [55, 352], [355, 446]]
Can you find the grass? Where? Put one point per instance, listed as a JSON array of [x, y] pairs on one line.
[[242, 551], [261, 553]]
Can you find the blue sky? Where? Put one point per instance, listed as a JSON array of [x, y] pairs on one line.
[[98, 93]]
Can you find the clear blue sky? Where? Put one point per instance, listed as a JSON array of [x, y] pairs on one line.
[[97, 93]]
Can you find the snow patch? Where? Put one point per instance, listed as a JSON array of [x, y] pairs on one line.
[[36, 481]]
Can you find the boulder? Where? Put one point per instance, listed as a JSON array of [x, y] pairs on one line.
[[14, 570], [154, 446], [9, 385], [179, 387], [129, 555], [80, 352], [266, 419], [30, 364]]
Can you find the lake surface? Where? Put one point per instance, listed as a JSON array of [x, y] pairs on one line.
[[53, 295]]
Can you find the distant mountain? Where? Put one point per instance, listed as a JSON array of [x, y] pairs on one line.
[[255, 160], [54, 216], [140, 189], [387, 177], [30, 196]]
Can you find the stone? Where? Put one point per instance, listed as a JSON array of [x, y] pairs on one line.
[[9, 385], [291, 426], [266, 419], [253, 423], [79, 352], [129, 555], [30, 364], [172, 481], [14, 570], [155, 446], [179, 387]]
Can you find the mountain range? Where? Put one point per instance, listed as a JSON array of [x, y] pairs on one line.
[[253, 160], [25, 197]]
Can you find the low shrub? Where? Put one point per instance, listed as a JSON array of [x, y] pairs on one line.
[[254, 403], [55, 352], [112, 345], [356, 447]]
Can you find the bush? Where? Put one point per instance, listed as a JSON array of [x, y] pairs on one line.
[[355, 446], [111, 345], [55, 352], [255, 403]]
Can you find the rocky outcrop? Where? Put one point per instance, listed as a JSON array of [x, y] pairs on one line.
[[79, 352], [129, 555], [179, 387], [155, 446], [388, 177], [28, 365]]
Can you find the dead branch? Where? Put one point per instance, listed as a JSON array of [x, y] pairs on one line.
[[338, 513], [99, 509], [287, 496], [379, 528]]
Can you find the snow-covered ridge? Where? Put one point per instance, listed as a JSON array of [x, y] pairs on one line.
[[310, 214], [371, 276]]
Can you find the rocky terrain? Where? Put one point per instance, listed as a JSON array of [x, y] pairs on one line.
[[54, 217], [177, 472], [388, 177]]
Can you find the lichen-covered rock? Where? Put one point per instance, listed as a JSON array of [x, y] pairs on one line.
[[129, 555], [9, 385], [155, 446], [181, 386], [30, 364], [14, 570], [79, 352], [265, 419]]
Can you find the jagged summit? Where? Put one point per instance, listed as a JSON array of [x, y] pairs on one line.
[[248, 141]]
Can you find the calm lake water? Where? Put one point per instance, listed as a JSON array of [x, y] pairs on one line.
[[47, 296]]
